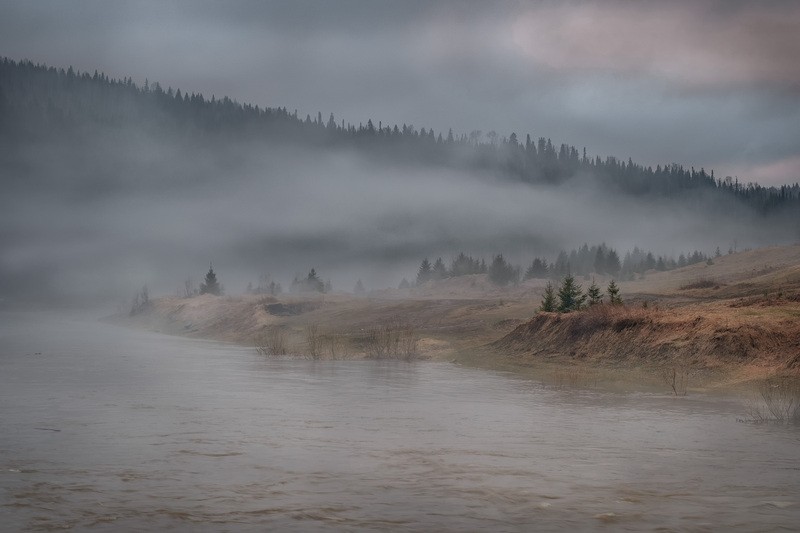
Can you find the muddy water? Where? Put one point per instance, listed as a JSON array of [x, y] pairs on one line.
[[110, 429]]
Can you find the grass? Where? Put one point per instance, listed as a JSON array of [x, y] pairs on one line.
[[273, 341], [777, 400], [702, 283], [395, 339]]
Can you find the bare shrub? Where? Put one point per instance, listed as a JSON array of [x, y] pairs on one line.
[[335, 344], [313, 342], [676, 376], [396, 339], [778, 400], [273, 341]]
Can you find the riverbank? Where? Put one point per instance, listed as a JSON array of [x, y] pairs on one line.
[[712, 325]]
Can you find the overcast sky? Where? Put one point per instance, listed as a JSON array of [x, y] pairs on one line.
[[703, 83]]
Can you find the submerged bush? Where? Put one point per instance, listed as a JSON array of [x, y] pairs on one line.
[[396, 339], [778, 400]]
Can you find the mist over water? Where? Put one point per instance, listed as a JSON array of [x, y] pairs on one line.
[[95, 224], [108, 429]]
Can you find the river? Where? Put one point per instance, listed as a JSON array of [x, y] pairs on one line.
[[108, 429]]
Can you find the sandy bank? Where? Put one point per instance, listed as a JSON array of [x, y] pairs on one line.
[[731, 321]]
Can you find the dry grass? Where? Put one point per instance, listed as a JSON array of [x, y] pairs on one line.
[[702, 283], [273, 341], [395, 339], [777, 400], [313, 341], [336, 345]]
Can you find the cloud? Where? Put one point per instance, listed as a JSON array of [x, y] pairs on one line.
[[776, 172], [705, 44]]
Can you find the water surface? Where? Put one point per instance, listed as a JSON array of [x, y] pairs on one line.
[[106, 428]]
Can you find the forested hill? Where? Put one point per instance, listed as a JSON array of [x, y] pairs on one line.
[[39, 103]]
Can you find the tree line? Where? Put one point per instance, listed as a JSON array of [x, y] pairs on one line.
[[37, 101], [583, 261], [570, 297]]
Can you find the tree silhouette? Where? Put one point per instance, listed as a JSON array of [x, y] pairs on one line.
[[210, 284], [570, 295], [425, 271], [593, 294], [613, 293], [549, 299]]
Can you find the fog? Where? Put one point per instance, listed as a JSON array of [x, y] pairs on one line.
[[91, 222], [709, 83]]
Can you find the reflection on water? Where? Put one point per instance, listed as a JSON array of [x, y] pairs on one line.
[[108, 429]]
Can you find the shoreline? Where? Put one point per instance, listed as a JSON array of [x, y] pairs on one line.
[[702, 327]]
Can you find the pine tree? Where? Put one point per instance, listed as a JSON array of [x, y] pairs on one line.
[[613, 293], [359, 288], [313, 283], [570, 295], [600, 261], [210, 284], [424, 272], [439, 270], [613, 264], [594, 294], [537, 269], [501, 272], [549, 299]]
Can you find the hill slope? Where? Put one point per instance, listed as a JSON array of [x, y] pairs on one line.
[[741, 313]]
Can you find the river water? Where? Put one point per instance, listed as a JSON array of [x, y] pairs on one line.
[[110, 429]]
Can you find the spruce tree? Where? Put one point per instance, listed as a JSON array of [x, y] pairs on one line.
[[313, 283], [210, 284], [594, 294], [439, 270], [424, 272], [501, 272], [549, 299], [570, 295], [613, 294], [359, 288]]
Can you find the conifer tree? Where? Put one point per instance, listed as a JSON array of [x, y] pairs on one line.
[[570, 295], [313, 283], [439, 270], [424, 272], [501, 272], [549, 299], [594, 295], [210, 284], [359, 288], [613, 293]]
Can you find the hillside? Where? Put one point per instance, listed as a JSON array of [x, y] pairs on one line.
[[40, 103], [739, 316], [734, 320]]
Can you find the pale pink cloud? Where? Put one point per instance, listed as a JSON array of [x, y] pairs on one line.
[[784, 171], [694, 43]]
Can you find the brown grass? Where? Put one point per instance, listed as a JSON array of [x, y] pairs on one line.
[[702, 283], [395, 339], [273, 341], [778, 400]]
